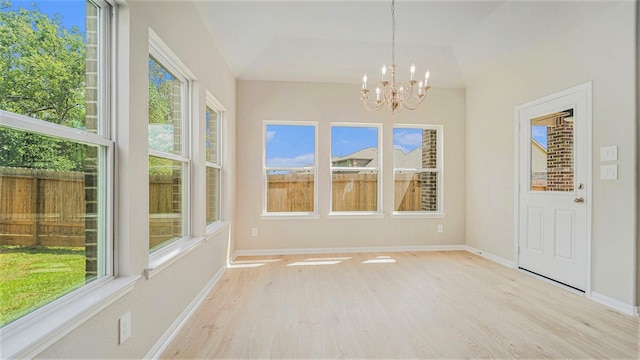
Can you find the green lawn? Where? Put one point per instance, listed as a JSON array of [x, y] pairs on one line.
[[34, 276]]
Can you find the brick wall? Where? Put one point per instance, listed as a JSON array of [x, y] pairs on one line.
[[176, 118], [429, 180], [560, 156], [91, 160]]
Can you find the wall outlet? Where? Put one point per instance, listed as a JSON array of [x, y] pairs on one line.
[[125, 326], [254, 231], [440, 228]]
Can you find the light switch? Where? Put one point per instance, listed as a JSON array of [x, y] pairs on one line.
[[609, 172], [609, 153]]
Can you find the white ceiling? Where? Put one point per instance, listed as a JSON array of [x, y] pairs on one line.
[[337, 41]]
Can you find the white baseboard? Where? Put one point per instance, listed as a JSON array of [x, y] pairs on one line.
[[309, 251], [170, 334], [615, 304], [494, 258]]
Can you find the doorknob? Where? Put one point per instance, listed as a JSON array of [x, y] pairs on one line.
[[578, 200]]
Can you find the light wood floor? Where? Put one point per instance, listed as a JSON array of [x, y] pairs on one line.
[[397, 305]]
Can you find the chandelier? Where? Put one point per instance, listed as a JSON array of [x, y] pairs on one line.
[[388, 94]]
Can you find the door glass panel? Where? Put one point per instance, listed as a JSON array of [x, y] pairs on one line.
[[552, 162]]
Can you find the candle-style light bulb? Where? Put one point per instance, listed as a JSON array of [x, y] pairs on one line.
[[384, 72], [420, 88], [364, 82], [426, 78], [378, 93], [413, 70]]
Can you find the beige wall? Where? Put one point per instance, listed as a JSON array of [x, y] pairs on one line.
[[157, 302], [602, 50], [638, 154], [325, 103]]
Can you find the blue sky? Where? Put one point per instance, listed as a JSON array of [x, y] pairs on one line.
[[72, 12], [539, 134], [291, 146]]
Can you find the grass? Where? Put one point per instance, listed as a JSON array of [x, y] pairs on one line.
[[31, 277]]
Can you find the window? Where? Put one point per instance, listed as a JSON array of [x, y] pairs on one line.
[[355, 168], [290, 168], [55, 153], [169, 160], [213, 120], [417, 163]]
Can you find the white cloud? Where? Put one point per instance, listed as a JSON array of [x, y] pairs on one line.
[[300, 160], [270, 135], [400, 147], [408, 139]]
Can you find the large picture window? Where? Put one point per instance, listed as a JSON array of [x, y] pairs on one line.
[[355, 168], [213, 120], [168, 152], [417, 163], [290, 168], [55, 152]]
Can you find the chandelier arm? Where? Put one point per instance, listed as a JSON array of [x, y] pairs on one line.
[[407, 95], [420, 98], [372, 106], [415, 105]]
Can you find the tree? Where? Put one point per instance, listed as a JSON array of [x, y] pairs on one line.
[[42, 75]]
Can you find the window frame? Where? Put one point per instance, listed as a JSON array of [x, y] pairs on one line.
[[170, 252], [32, 333], [439, 169], [297, 214], [379, 168], [213, 104]]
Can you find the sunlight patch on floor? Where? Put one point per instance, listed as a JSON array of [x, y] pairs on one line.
[[380, 260], [244, 264]]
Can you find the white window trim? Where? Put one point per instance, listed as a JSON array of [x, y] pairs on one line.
[[33, 333], [289, 215], [438, 214], [378, 214], [160, 258], [215, 105]]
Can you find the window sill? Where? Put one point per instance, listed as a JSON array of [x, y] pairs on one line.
[[356, 215], [215, 228], [290, 216], [417, 215], [169, 254], [29, 336]]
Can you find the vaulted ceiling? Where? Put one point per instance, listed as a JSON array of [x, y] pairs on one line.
[[337, 41]]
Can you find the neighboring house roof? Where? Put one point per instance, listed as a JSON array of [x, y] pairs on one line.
[[534, 142], [367, 157], [410, 160]]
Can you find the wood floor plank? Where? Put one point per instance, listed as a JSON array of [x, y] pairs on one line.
[[397, 305]]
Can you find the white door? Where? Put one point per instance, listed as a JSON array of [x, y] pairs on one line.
[[553, 186]]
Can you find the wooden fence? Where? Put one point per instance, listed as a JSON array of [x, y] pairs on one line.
[[47, 208], [164, 224], [351, 192], [41, 207]]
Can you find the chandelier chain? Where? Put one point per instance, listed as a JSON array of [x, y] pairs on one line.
[[393, 32]]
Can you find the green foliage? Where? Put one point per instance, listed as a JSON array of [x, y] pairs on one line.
[[160, 94], [31, 277], [42, 66], [42, 75], [33, 151]]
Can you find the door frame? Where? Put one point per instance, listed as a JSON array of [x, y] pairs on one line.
[[585, 90]]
